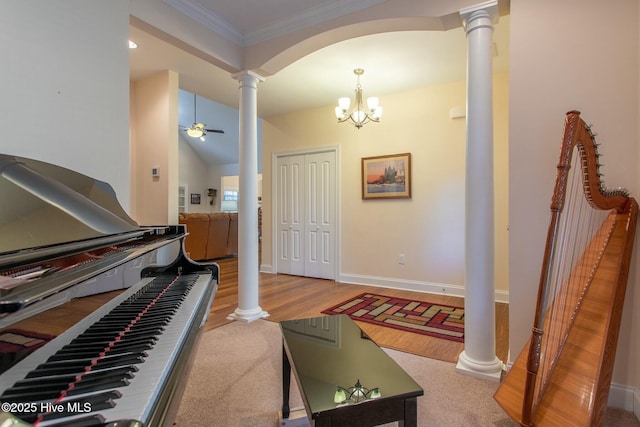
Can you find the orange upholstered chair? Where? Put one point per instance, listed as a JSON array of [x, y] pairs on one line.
[[218, 235], [196, 241]]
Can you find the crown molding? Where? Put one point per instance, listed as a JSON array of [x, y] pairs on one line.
[[209, 19], [308, 18]]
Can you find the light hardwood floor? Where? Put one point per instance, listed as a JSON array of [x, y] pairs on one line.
[[287, 297]]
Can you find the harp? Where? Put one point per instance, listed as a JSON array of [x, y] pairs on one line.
[[563, 374]]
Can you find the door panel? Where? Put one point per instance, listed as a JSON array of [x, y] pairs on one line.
[[307, 214], [320, 226], [283, 214], [290, 215]]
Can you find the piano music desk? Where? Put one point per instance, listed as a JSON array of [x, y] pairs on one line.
[[58, 319]]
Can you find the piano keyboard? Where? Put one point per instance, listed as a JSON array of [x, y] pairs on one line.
[[117, 365]]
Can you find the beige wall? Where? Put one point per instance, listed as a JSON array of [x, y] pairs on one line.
[[193, 173], [582, 55], [154, 143], [65, 86], [428, 228]]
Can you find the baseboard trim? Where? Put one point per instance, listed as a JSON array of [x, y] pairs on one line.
[[414, 285], [404, 284], [624, 397], [266, 268], [407, 285]]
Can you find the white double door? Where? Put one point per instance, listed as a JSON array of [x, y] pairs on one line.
[[306, 214]]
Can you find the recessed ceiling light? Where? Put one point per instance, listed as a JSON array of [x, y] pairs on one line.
[[133, 45]]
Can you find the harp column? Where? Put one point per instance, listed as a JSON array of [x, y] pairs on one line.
[[248, 292], [479, 355]]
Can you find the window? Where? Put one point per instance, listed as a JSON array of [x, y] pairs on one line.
[[229, 201], [230, 195]]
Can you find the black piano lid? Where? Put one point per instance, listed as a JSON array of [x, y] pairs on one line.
[[47, 212], [43, 204]]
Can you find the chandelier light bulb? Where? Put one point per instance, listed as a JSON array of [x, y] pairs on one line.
[[344, 103], [359, 116]]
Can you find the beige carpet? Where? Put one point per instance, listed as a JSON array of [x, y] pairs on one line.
[[236, 381]]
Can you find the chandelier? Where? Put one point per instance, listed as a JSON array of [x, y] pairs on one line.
[[358, 115]]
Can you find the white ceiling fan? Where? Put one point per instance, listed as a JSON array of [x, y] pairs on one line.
[[198, 130]]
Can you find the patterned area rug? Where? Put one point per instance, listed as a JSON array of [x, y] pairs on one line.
[[436, 320]]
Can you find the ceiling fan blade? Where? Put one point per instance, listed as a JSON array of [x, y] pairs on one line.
[[215, 130]]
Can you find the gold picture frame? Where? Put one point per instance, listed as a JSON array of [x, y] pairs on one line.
[[386, 177]]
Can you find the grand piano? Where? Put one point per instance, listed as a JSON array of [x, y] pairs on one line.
[[65, 242]]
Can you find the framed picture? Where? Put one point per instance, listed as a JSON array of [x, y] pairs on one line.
[[386, 177], [195, 198]]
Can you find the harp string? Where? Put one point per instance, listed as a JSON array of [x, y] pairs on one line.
[[572, 268], [583, 333]]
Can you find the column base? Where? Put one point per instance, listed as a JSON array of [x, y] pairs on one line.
[[248, 315], [484, 370]]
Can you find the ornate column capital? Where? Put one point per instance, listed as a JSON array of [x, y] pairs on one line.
[[478, 16], [248, 78]]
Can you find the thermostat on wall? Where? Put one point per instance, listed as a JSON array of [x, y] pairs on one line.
[[155, 171]]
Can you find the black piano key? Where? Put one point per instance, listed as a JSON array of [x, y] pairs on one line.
[[156, 313], [119, 324], [126, 371], [114, 330], [45, 392], [94, 352], [86, 361], [107, 330], [104, 340], [115, 360], [131, 315], [133, 345], [99, 384]]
